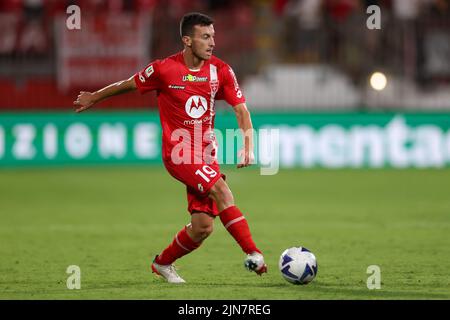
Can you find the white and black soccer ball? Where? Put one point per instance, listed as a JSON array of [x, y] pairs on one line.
[[298, 265]]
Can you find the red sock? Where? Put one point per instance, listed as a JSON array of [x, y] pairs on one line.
[[181, 245], [237, 226]]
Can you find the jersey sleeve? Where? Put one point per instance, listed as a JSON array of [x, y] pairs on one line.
[[229, 90], [148, 79]]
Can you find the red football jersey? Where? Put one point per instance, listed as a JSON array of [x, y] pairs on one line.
[[186, 97]]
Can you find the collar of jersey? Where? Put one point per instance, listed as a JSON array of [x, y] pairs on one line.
[[181, 59]]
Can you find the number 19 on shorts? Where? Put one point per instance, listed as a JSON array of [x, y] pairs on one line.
[[206, 173]]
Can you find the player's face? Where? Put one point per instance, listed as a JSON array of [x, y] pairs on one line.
[[202, 44]]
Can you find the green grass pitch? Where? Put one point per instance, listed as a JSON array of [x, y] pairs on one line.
[[111, 221]]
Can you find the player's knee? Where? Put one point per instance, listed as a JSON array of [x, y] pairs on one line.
[[203, 231]]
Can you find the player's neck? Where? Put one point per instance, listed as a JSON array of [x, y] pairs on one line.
[[192, 62]]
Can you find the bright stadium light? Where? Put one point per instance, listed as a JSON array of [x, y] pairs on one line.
[[378, 81]]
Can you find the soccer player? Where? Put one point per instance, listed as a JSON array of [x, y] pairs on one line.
[[187, 84]]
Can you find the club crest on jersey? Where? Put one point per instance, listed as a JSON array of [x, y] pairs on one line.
[[196, 106], [214, 82], [191, 78], [214, 85]]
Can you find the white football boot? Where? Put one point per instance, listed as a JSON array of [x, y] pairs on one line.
[[255, 262], [168, 272]]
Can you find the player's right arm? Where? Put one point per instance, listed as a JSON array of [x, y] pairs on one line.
[[85, 100], [147, 79]]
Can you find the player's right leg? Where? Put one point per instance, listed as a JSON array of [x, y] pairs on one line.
[[184, 242], [236, 224]]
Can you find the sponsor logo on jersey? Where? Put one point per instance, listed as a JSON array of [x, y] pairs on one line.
[[197, 121], [236, 85], [191, 78], [176, 87], [233, 75], [149, 71], [196, 106]]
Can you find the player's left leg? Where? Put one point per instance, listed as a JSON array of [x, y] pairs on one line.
[[236, 224], [184, 242]]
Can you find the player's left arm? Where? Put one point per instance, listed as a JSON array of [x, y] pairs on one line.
[[245, 124]]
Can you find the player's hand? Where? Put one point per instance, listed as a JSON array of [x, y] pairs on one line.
[[247, 158], [84, 101]]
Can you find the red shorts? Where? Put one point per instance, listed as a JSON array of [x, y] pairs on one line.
[[199, 179]]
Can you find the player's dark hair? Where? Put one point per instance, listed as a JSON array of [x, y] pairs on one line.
[[192, 19]]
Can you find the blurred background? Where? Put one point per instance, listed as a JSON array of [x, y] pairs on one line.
[[287, 45], [290, 56]]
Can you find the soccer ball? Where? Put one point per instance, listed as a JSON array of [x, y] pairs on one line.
[[298, 265]]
